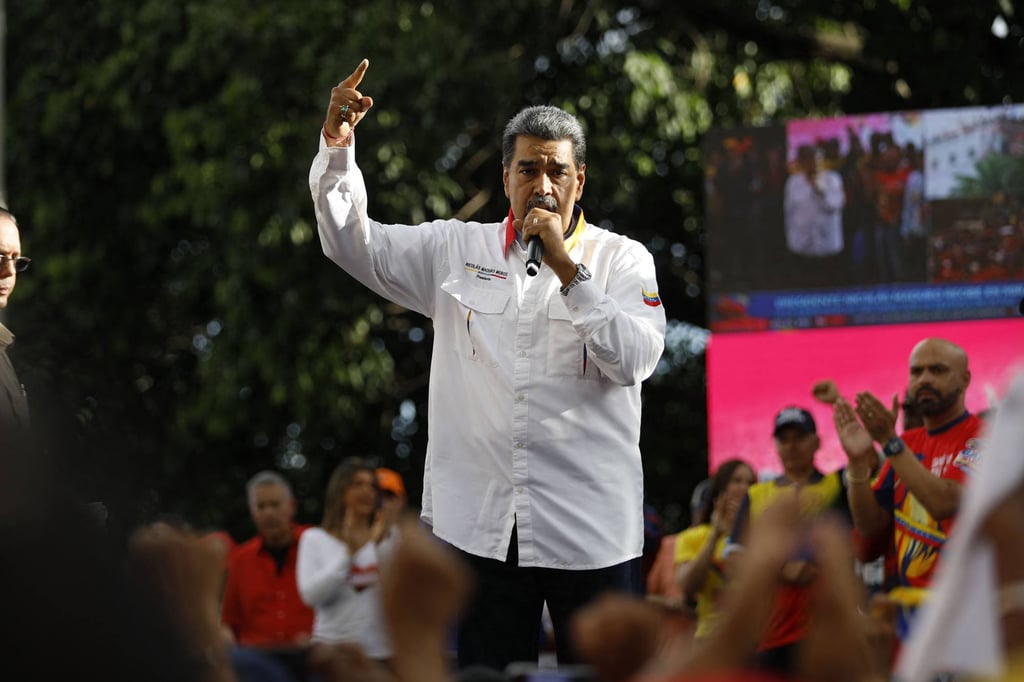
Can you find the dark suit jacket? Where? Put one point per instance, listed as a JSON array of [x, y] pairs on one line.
[[13, 403]]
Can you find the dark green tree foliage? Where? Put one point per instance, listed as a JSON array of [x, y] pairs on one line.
[[181, 329]]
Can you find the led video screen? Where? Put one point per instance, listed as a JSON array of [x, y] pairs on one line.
[[834, 245]]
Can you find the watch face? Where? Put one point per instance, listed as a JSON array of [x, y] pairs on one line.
[[893, 447]]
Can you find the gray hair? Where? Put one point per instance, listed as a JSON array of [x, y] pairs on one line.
[[266, 478], [547, 123]]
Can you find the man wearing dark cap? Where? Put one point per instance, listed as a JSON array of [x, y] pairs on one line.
[[796, 442]]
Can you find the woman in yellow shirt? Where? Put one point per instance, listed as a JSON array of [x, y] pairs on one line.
[[698, 561]]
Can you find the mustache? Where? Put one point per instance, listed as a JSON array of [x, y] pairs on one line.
[[545, 202]]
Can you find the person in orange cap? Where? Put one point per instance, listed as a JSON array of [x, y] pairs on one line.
[[392, 495]]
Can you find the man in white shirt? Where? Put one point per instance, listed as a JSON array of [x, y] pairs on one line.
[[533, 465], [814, 200]]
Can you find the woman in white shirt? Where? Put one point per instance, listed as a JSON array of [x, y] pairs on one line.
[[338, 562]]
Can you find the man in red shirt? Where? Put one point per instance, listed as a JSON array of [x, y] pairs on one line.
[[890, 181], [918, 488], [261, 600]]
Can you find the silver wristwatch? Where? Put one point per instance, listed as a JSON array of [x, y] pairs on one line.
[[582, 275]]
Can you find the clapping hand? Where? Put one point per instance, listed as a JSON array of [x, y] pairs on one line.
[[724, 513], [855, 439], [422, 592], [184, 574], [879, 420], [381, 526]]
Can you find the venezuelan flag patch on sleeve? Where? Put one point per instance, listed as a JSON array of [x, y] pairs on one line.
[[651, 298]]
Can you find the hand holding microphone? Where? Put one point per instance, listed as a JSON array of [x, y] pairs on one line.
[[534, 242], [534, 253]]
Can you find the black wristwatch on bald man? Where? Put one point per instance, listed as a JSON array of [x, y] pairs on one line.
[[893, 446]]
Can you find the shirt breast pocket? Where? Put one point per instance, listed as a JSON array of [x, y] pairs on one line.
[[480, 323], [566, 352]]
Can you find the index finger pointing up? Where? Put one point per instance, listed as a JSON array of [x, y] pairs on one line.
[[356, 78]]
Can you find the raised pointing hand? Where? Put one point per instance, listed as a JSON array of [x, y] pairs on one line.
[[347, 108]]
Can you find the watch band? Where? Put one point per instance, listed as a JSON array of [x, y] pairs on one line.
[[582, 275], [893, 446]]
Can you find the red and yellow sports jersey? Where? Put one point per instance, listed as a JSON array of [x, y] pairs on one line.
[[951, 453]]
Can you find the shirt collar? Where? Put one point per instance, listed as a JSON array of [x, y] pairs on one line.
[[950, 425], [784, 480], [510, 231], [577, 225], [289, 546]]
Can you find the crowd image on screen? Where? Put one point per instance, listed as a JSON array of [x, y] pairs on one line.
[[871, 230], [977, 240]]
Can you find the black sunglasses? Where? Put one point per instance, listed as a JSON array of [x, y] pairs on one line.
[[20, 263]]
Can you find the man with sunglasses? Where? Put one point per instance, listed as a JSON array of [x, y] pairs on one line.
[[13, 404]]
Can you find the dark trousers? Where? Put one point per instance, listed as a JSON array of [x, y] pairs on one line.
[[502, 622], [889, 250]]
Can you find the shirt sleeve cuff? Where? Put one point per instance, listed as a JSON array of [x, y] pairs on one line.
[[339, 158], [582, 297]]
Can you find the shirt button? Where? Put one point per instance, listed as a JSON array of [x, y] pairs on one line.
[[519, 444], [575, 308], [522, 353], [520, 398]]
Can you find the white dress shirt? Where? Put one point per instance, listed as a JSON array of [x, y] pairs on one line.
[[814, 213], [534, 398], [343, 590]]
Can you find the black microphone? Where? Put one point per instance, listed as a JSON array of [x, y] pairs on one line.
[[535, 245], [534, 255]]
